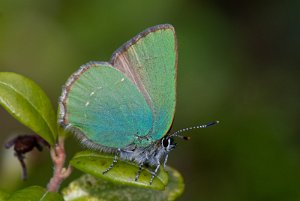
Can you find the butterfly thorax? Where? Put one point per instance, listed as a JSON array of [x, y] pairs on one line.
[[144, 141], [151, 154]]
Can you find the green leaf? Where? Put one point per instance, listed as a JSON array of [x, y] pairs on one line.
[[35, 193], [29, 104], [88, 188], [123, 172], [3, 195]]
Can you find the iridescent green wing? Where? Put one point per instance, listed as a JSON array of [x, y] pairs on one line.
[[104, 107], [149, 60]]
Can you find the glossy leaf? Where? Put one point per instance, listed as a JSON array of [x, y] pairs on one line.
[[29, 104], [35, 193], [123, 172], [88, 188]]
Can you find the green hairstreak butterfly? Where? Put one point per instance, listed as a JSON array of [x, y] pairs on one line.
[[126, 106]]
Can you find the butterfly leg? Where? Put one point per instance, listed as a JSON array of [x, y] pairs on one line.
[[139, 172], [155, 172], [165, 161], [113, 163]]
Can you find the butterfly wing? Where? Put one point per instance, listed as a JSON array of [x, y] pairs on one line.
[[104, 106], [149, 60]]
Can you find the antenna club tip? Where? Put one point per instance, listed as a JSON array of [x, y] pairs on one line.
[[186, 138], [217, 122]]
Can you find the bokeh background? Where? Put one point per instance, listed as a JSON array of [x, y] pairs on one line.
[[238, 63]]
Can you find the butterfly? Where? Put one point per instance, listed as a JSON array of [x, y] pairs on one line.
[[126, 106]]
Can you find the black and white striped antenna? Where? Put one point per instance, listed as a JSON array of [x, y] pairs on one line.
[[179, 132]]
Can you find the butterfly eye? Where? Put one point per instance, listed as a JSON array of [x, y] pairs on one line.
[[165, 142]]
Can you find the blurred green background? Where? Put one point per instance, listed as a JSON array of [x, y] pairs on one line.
[[238, 63]]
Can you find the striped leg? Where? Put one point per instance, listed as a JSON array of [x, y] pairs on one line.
[[139, 172], [155, 172], [165, 161], [113, 163]]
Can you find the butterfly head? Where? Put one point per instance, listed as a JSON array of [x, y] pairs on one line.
[[168, 143]]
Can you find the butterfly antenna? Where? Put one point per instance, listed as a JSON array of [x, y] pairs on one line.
[[178, 133]]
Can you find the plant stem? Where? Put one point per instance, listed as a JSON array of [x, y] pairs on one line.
[[60, 173], [23, 165]]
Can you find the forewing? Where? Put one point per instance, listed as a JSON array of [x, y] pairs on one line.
[[104, 106], [150, 61]]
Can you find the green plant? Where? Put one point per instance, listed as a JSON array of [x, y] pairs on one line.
[[29, 104]]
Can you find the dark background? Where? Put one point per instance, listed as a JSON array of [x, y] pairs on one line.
[[238, 63]]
